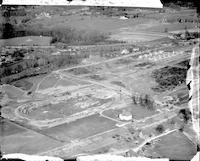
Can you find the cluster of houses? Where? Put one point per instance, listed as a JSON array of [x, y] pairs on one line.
[[158, 55], [43, 15]]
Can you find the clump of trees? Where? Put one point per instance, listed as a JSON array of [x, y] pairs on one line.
[[185, 114], [160, 128], [144, 101], [65, 35], [169, 77], [37, 64]]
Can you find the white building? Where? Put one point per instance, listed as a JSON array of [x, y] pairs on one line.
[[125, 116]]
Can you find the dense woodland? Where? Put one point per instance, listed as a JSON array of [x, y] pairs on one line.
[[169, 77]]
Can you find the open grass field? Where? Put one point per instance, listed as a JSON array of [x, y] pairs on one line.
[[137, 112], [118, 83], [49, 81], [12, 92], [8, 128], [170, 27], [23, 84], [132, 37], [27, 41], [80, 129], [175, 146], [90, 23], [66, 82], [111, 26], [180, 92], [28, 142], [96, 77], [34, 81], [79, 71]]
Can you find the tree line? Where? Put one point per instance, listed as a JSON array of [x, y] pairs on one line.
[[144, 100]]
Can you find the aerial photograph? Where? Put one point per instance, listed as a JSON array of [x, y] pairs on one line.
[[97, 82]]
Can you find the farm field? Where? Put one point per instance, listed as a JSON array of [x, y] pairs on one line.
[[90, 23], [175, 146], [28, 142], [49, 82], [34, 81], [26, 41], [170, 27], [81, 128], [133, 37], [137, 112], [13, 92], [8, 128], [66, 83]]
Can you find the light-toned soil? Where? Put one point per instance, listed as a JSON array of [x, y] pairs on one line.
[[137, 112]]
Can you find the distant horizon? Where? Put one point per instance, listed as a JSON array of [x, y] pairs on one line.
[[120, 3]]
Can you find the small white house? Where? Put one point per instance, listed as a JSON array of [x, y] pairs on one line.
[[125, 116]]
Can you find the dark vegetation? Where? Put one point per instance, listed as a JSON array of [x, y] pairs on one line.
[[160, 128], [168, 78], [20, 68], [16, 24], [182, 3], [185, 114], [119, 83], [144, 64], [96, 77], [23, 84], [65, 35], [187, 35], [116, 11], [144, 100], [78, 71], [182, 98]]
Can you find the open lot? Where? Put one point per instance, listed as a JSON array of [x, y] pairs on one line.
[[160, 28], [34, 81], [137, 112], [13, 92], [23, 84], [175, 146], [66, 83], [133, 37], [90, 23], [48, 82], [80, 129], [7, 128], [28, 142]]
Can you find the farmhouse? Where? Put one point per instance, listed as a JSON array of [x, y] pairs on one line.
[[125, 115]]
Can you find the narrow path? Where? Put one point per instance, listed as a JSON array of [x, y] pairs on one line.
[[151, 139], [101, 114]]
